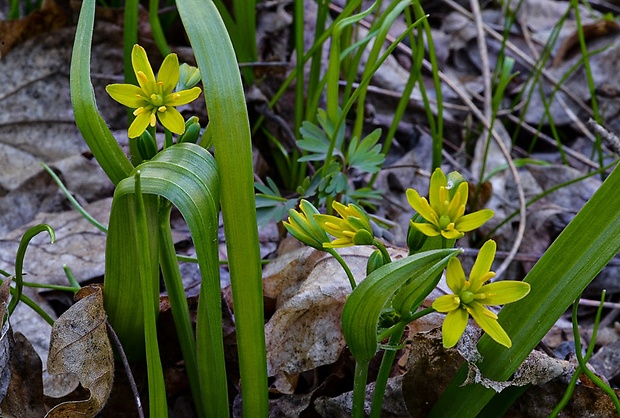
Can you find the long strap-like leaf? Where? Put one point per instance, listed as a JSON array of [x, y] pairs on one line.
[[92, 126], [229, 128]]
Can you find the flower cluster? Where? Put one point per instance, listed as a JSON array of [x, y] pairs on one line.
[[154, 98]]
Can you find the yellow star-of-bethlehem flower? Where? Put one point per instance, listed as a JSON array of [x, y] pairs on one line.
[[352, 229], [471, 296], [304, 227], [444, 214], [154, 98]]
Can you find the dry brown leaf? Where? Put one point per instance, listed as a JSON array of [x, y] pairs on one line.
[[24, 398], [49, 17], [305, 331], [80, 345]]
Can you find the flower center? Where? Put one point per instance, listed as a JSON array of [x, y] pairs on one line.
[[444, 222], [467, 297], [157, 100]]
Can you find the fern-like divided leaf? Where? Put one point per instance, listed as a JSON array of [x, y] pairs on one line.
[[366, 155]]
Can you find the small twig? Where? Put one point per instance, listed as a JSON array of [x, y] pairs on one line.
[[612, 139], [484, 58], [131, 380]]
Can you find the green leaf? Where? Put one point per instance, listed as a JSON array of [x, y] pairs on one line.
[[95, 131], [187, 176], [270, 205], [230, 130], [362, 310], [366, 156], [574, 259]]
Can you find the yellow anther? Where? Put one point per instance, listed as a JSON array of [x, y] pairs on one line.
[[152, 120], [161, 109], [153, 96], [139, 111], [142, 76]]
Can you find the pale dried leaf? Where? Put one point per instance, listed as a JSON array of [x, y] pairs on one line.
[[80, 345], [305, 332]]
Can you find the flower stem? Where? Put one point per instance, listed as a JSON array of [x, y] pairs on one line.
[[359, 389], [384, 371], [344, 265], [386, 257]]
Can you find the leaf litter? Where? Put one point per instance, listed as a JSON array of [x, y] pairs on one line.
[[304, 291]]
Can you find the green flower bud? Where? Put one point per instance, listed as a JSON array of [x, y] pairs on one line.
[[415, 237], [363, 237], [374, 261], [192, 131], [147, 147], [189, 77]]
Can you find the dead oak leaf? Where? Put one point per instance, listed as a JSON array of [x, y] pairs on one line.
[[79, 344]]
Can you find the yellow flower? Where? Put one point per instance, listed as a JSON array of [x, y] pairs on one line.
[[353, 228], [154, 98], [444, 213], [471, 296], [304, 227]]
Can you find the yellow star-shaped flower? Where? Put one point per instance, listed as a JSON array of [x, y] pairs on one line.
[[445, 212], [471, 296], [154, 98]]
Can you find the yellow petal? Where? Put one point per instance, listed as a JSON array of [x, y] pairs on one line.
[[455, 276], [169, 73], [453, 327], [456, 208], [473, 220], [127, 95], [427, 229], [446, 303], [139, 125], [140, 63], [451, 234], [421, 205], [438, 179], [482, 265], [172, 120], [182, 97], [500, 293], [489, 324]]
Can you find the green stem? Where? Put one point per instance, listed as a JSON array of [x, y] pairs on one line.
[[157, 390], [158, 32], [178, 304], [384, 371], [386, 256], [344, 265], [359, 389]]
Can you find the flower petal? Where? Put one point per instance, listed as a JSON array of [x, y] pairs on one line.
[[482, 265], [421, 205], [309, 211], [139, 125], [473, 220], [488, 322], [451, 234], [140, 63], [127, 95], [172, 120], [455, 276], [500, 293], [456, 207], [446, 303], [427, 229], [438, 179], [453, 327], [169, 73], [332, 225], [182, 97]]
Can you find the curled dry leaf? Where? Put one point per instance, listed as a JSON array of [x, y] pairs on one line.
[[80, 345]]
